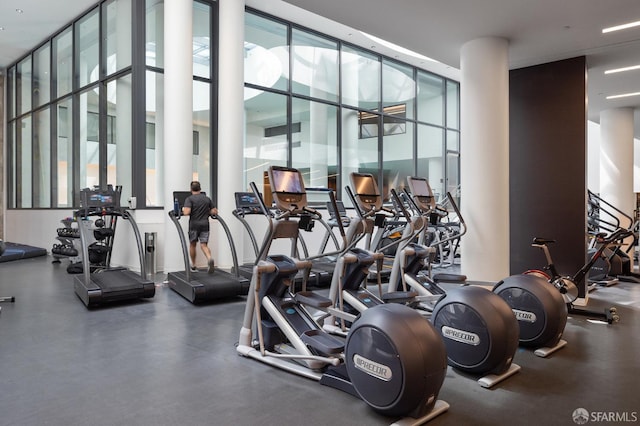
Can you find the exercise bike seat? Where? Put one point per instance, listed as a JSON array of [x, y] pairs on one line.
[[542, 241]]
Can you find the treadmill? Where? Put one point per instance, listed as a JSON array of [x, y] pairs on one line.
[[201, 286], [100, 283]]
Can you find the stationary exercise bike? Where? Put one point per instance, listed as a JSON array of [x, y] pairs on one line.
[[569, 285]]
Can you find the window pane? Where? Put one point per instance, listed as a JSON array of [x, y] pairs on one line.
[[154, 33], [430, 154], [24, 86], [314, 142], [89, 137], [453, 175], [453, 96], [24, 154], [63, 60], [11, 92], [201, 40], [87, 40], [42, 75], [154, 141], [359, 153], [430, 98], [119, 166], [266, 139], [118, 35], [398, 87], [201, 135], [397, 158], [64, 154], [360, 79], [266, 55], [12, 183], [453, 141], [315, 66], [42, 159]]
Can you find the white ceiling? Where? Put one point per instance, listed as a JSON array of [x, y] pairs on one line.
[[538, 31]]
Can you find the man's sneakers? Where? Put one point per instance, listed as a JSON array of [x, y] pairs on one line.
[[194, 269], [211, 264]]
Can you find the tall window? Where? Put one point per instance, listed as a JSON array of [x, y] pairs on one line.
[[330, 108]]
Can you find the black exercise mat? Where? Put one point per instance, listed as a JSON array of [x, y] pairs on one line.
[[15, 251]]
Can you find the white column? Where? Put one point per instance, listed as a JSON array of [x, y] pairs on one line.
[[616, 162], [178, 116], [484, 158], [230, 123]]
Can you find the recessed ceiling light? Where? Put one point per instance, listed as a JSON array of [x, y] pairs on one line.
[[624, 95], [631, 68], [19, 10], [621, 27], [1, 28]]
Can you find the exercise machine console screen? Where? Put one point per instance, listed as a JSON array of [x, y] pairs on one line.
[[422, 193], [366, 190], [100, 199], [287, 186]]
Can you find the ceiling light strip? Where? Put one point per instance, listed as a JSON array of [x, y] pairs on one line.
[[631, 68], [624, 95], [621, 27]]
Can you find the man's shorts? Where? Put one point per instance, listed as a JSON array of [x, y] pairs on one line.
[[195, 235]]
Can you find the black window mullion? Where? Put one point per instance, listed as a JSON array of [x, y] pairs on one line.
[[138, 107]]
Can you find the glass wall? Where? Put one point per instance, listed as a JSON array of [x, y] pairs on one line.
[[344, 109], [71, 124], [311, 101]]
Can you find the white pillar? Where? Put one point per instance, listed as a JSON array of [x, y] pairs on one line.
[[616, 162], [178, 116], [230, 123], [484, 158]]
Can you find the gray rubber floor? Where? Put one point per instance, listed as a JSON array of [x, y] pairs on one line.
[[167, 362]]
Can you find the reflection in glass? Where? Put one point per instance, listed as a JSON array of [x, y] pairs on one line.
[[118, 34], [89, 136], [87, 42], [41, 76], [315, 66], [358, 154], [314, 142], [154, 33], [397, 160], [266, 140], [360, 78], [64, 154], [118, 132], [24, 154], [23, 85], [266, 53], [154, 141], [201, 135], [430, 153], [398, 87], [42, 159], [430, 98], [63, 60], [453, 95], [11, 92], [201, 40]]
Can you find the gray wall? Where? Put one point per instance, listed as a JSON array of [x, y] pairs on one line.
[[547, 160]]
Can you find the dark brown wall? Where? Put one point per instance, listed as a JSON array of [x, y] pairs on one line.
[[547, 163]]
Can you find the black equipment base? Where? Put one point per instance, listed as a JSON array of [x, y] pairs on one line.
[[205, 287], [112, 285]]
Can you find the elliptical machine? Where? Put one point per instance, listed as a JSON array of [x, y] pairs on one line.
[[392, 359]]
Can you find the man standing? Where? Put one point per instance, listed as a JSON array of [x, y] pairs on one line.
[[199, 207]]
